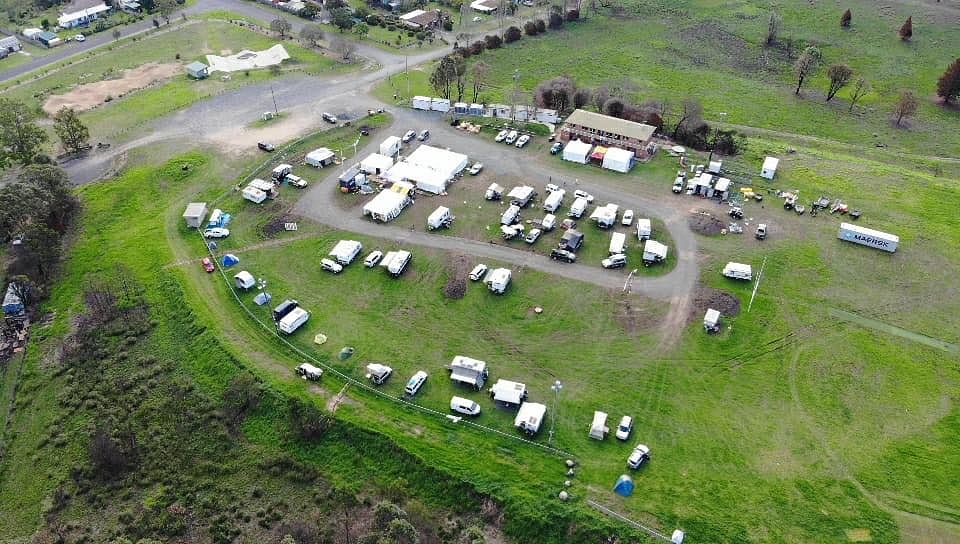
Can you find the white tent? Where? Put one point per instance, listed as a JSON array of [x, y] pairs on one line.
[[430, 168], [618, 159], [577, 151], [386, 206], [244, 280], [376, 164], [769, 167], [320, 157]]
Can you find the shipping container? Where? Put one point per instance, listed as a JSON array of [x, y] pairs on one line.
[[868, 237]]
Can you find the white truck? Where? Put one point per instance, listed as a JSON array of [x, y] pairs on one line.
[[498, 280], [553, 201], [654, 252], [598, 428], [292, 321], [346, 251], [738, 271], [618, 243], [396, 262], [440, 218], [868, 237], [578, 207], [644, 230], [530, 417]]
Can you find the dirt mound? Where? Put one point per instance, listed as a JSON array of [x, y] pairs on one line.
[[456, 286], [707, 297], [278, 219], [703, 223], [91, 95]]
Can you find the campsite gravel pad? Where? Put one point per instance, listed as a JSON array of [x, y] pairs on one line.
[[705, 224], [706, 297]]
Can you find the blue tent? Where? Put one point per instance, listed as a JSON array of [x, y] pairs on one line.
[[230, 259], [624, 486], [262, 298]]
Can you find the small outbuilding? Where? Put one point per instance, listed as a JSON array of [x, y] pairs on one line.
[[618, 160], [244, 280], [10, 44], [376, 164], [577, 151], [198, 70], [195, 214], [320, 157], [769, 168]]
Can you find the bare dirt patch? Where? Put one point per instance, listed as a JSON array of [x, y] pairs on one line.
[[707, 297], [634, 316], [91, 95], [456, 286], [703, 222]]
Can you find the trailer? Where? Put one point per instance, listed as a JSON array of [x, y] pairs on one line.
[[509, 392], [553, 201], [498, 280], [440, 218], [738, 271], [618, 243], [309, 372], [578, 207], [598, 428], [868, 237], [522, 196], [644, 229], [283, 309], [469, 371], [378, 373], [711, 320], [396, 262], [494, 192], [511, 215], [421, 102], [253, 194], [530, 417], [346, 251], [293, 320], [654, 252], [281, 171]]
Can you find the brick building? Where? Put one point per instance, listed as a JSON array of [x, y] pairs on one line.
[[597, 129]]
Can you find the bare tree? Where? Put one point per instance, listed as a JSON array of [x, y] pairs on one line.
[[839, 75], [806, 65], [481, 74], [345, 48], [860, 89], [280, 26], [691, 113], [773, 28], [600, 96], [906, 106], [311, 33]]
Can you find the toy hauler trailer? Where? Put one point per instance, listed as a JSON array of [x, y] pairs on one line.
[[868, 237]]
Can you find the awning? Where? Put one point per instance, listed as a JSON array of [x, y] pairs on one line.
[[598, 153]]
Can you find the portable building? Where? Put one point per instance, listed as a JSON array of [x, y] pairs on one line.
[[387, 205], [654, 252], [396, 262], [703, 183], [511, 215], [721, 189], [577, 151], [195, 214], [509, 392], [345, 251], [198, 70], [738, 271], [461, 108], [309, 372], [498, 280], [466, 370], [618, 243], [376, 164], [476, 109], [440, 104], [530, 417], [439, 218], [284, 308], [320, 157], [421, 102], [619, 160], [598, 428], [12, 303], [522, 195], [572, 240], [578, 207], [553, 201], [769, 168], [644, 229], [348, 179], [253, 194], [868, 237], [48, 38], [390, 146], [605, 216], [10, 44], [711, 320], [244, 280], [293, 320]]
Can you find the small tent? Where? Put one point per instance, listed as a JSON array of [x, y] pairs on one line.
[[624, 486], [229, 260], [576, 151], [244, 280], [262, 298], [619, 160]]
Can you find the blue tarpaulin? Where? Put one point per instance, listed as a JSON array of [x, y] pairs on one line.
[[229, 260], [624, 486], [218, 218], [262, 298], [12, 305]]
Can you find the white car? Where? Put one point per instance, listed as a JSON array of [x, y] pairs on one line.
[[295, 181], [580, 193], [216, 233], [477, 19], [476, 168], [331, 266], [409, 136], [640, 454], [511, 137], [627, 218], [373, 259], [464, 406], [551, 187], [80, 38], [678, 185], [532, 236], [522, 141], [501, 136], [478, 272], [624, 428]]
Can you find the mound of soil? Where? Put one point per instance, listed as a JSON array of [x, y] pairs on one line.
[[705, 224], [456, 286], [91, 95], [274, 226], [707, 297]]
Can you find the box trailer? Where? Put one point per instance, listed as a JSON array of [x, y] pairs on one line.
[[654, 252], [578, 207], [618, 243], [498, 280], [530, 417], [553, 201], [421, 102], [711, 320], [292, 321], [346, 251], [738, 271], [868, 237], [598, 428], [439, 218]]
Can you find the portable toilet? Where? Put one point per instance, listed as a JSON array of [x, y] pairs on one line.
[[624, 486], [769, 168]]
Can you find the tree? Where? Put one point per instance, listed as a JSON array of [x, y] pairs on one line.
[[541, 26], [384, 512], [806, 65], [614, 107], [361, 29], [839, 75], [906, 106], [512, 34], [280, 26], [477, 48], [906, 31], [860, 89], [345, 48], [240, 398], [71, 131], [493, 41], [41, 249], [845, 19], [166, 8], [20, 137], [530, 28], [443, 76], [311, 33], [556, 21], [773, 28], [342, 19], [600, 96], [556, 94], [401, 531], [460, 74], [691, 115], [948, 86], [581, 98], [481, 74]]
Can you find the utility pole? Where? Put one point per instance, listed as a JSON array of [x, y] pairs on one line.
[[556, 388], [276, 110]]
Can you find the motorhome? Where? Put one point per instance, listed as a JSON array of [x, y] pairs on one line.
[[578, 207], [378, 373], [618, 243], [440, 218], [553, 201], [469, 371], [498, 280], [530, 417], [644, 230], [738, 271], [292, 321], [346, 251]]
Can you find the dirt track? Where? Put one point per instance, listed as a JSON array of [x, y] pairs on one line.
[[91, 95]]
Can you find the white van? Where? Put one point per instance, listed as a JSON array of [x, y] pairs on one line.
[[644, 230], [415, 383], [464, 406], [578, 207], [553, 201], [618, 243]]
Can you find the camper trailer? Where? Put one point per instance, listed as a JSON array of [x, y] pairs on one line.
[[421, 102], [618, 243], [511, 216], [254, 195], [522, 196], [553, 201], [292, 321], [738, 271], [378, 373], [494, 192], [578, 207], [711, 320], [281, 171], [598, 428], [283, 309], [654, 252], [469, 371], [396, 262], [605, 216], [390, 146], [440, 218], [309, 372], [571, 240], [644, 230], [498, 280], [530, 417], [509, 392], [346, 251]]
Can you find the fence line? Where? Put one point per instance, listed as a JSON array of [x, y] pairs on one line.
[[628, 521]]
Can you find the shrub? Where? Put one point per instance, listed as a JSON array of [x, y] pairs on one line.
[[573, 15], [512, 34], [391, 27], [374, 20], [477, 47], [448, 25], [556, 21], [529, 28], [541, 26], [493, 41], [421, 36], [410, 33]]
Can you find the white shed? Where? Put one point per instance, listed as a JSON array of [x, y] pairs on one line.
[[195, 213], [244, 280], [391, 146], [320, 157], [769, 168], [619, 160], [376, 164], [577, 151]]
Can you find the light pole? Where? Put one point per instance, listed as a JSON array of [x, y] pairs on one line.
[[716, 133], [556, 387], [628, 284]]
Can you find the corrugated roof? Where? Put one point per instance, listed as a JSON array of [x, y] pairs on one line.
[[613, 125]]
